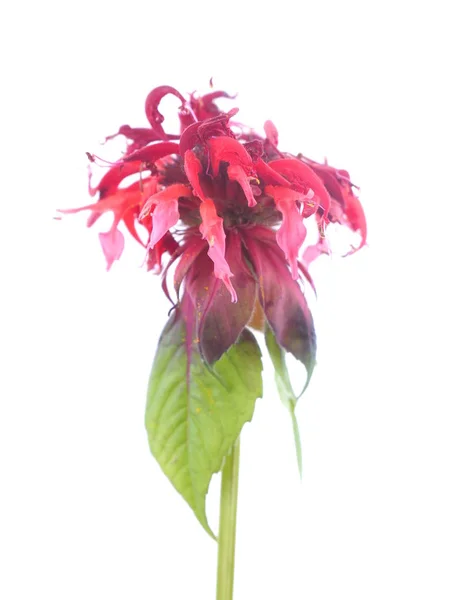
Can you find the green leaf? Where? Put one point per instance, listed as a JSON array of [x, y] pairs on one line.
[[195, 412], [284, 387]]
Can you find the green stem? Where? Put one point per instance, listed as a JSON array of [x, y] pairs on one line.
[[227, 526], [298, 446]]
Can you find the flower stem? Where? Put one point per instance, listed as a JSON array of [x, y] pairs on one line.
[[227, 526], [298, 446]]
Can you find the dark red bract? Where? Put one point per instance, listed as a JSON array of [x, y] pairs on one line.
[[232, 209]]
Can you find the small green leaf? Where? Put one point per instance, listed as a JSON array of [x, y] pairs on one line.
[[196, 412], [284, 387]]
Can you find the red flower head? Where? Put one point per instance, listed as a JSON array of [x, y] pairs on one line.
[[232, 210]]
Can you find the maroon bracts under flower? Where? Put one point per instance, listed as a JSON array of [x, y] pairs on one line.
[[231, 208]]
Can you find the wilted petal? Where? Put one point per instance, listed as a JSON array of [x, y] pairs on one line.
[[219, 322], [332, 184], [193, 247], [139, 136], [207, 99], [307, 276], [283, 302], [154, 255]]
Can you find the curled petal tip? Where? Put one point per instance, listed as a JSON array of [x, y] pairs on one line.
[[237, 173], [230, 288]]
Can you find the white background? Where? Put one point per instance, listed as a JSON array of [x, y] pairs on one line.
[[85, 511]]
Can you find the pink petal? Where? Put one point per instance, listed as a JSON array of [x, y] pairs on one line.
[[212, 230], [175, 191], [314, 251], [292, 232], [165, 216], [112, 243], [271, 132]]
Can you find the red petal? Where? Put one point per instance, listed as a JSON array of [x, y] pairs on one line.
[[151, 154], [114, 176], [152, 101], [129, 218], [307, 276], [207, 99], [193, 167], [204, 106], [111, 202], [228, 150], [237, 173], [189, 247], [140, 136], [191, 250], [301, 175], [268, 175], [356, 217], [198, 133]]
